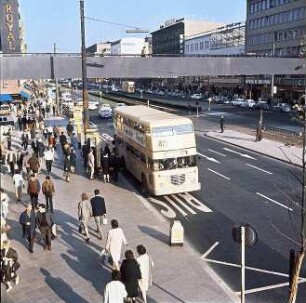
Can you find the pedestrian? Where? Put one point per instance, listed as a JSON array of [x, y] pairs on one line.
[[222, 124], [84, 214], [130, 274], [146, 264], [49, 158], [12, 161], [91, 163], [24, 122], [69, 128], [25, 164], [114, 241], [44, 223], [34, 164], [25, 140], [19, 159], [52, 142], [28, 221], [62, 139], [48, 190], [40, 152], [116, 165], [4, 229], [32, 131], [34, 190], [115, 290], [4, 201], [74, 141], [67, 164], [72, 160], [53, 110], [105, 166], [9, 265], [19, 123], [19, 183], [98, 211], [85, 151], [9, 139], [259, 132], [45, 133]]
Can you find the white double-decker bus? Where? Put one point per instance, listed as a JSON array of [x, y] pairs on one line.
[[158, 148]]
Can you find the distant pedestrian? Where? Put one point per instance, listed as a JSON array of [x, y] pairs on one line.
[[258, 132], [19, 123], [9, 265], [34, 164], [12, 161], [34, 190], [9, 139], [105, 166], [98, 211], [84, 214], [4, 202], [52, 142], [25, 140], [69, 129], [146, 264], [44, 223], [28, 221], [40, 152], [115, 290], [73, 159], [222, 124], [48, 190], [116, 165], [62, 139], [114, 241], [19, 183], [130, 274], [49, 158], [54, 110], [91, 163]]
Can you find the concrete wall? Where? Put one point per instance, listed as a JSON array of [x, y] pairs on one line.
[[45, 67]]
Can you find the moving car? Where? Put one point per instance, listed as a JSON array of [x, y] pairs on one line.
[[282, 107], [92, 105], [196, 96], [248, 103], [105, 111], [261, 105]]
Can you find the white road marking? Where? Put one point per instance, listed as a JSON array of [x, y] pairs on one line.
[[273, 201], [194, 202], [209, 159], [227, 178], [253, 166], [169, 212], [238, 153], [220, 154], [176, 206], [176, 198], [209, 250]]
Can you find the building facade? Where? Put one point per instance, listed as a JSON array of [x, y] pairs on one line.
[[99, 49], [226, 40], [169, 38], [276, 27], [128, 46]]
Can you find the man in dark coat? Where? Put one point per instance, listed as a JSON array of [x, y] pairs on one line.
[[25, 140], [44, 223], [28, 221], [222, 124], [116, 164], [9, 265], [98, 211]]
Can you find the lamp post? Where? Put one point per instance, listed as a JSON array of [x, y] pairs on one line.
[[84, 70]]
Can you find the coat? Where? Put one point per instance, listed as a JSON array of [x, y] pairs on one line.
[[40, 219], [98, 206], [105, 164], [28, 231], [145, 264], [114, 241], [9, 264], [130, 274], [84, 210]]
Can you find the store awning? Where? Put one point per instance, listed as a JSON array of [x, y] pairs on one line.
[[24, 94], [5, 98]]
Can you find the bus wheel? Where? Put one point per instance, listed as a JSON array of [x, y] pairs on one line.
[[144, 187]]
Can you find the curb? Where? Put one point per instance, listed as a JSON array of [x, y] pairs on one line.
[[251, 150]]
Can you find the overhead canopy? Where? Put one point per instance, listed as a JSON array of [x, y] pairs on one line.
[[5, 98], [24, 94]]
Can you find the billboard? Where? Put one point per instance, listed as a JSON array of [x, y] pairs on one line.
[[9, 26]]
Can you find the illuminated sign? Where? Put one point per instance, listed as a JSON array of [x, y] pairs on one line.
[[9, 26]]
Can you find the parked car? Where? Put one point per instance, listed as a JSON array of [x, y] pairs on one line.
[[261, 105], [249, 103], [92, 105], [105, 111], [282, 107], [196, 96], [237, 102]]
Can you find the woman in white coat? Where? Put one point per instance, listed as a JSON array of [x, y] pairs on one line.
[[114, 241], [145, 263], [85, 213]]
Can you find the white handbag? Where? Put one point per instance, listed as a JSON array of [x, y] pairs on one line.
[[104, 220]]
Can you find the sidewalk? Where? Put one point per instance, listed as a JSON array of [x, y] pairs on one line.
[[270, 148], [73, 272]]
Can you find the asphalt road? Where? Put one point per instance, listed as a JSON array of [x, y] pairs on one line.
[[238, 186]]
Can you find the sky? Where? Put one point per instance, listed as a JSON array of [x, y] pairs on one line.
[[58, 21]]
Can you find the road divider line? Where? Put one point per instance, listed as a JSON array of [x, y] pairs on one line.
[[273, 201], [176, 198], [253, 166], [220, 154], [176, 206], [209, 250], [238, 153], [209, 158], [227, 178]]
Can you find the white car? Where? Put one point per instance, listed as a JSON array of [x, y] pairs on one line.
[[92, 105], [105, 111], [196, 96]]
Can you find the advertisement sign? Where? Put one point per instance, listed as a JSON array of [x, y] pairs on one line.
[[9, 26]]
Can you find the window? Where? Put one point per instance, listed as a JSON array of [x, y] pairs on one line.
[[206, 44], [264, 4]]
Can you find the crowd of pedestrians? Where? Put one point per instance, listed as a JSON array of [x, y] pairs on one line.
[[34, 156]]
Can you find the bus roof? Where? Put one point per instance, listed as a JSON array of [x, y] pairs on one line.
[[149, 116]]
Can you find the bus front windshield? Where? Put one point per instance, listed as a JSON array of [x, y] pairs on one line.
[[173, 163]]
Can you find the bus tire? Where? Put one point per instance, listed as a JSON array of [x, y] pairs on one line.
[[144, 186]]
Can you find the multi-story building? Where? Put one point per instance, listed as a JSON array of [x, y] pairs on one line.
[[225, 40], [99, 49], [170, 37], [128, 46], [276, 27]]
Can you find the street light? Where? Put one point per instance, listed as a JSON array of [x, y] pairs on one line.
[[84, 70]]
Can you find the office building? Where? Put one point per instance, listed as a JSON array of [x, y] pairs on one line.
[[128, 46], [276, 27], [169, 38], [225, 40], [99, 49]]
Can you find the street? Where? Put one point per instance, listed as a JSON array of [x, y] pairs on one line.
[[238, 186]]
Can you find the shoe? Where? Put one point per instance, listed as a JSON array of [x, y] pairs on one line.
[[31, 251], [16, 280], [99, 237], [49, 248], [87, 240], [9, 288]]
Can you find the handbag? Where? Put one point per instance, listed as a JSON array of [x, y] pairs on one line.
[[54, 230], [106, 257], [104, 220]]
